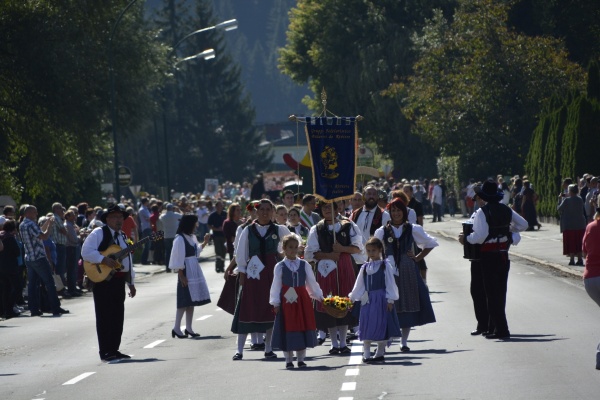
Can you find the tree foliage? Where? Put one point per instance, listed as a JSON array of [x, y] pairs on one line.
[[54, 92], [478, 86], [356, 50]]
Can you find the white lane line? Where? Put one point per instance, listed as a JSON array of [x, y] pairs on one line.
[[219, 309], [78, 378], [153, 344], [345, 398], [202, 318], [352, 372], [346, 386], [356, 358]]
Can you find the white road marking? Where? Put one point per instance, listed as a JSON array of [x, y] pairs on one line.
[[202, 318], [153, 344], [356, 358], [352, 372], [346, 386], [219, 309], [345, 398], [78, 378]]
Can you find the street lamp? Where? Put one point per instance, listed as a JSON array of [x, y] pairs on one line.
[[209, 54]]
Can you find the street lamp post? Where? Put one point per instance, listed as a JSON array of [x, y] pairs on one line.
[[113, 106], [206, 55]]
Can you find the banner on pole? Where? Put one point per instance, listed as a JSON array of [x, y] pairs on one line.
[[332, 145]]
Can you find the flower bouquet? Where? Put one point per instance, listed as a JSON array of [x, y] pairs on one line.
[[337, 306]]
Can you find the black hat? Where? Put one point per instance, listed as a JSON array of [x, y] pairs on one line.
[[113, 209], [488, 191]]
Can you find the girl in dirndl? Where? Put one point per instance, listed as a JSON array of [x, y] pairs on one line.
[[399, 238], [377, 291], [192, 289], [294, 284]]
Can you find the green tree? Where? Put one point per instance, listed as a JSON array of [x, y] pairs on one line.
[[478, 87], [357, 50], [54, 93], [210, 120]]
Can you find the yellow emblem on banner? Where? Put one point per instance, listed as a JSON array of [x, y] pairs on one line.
[[329, 159]]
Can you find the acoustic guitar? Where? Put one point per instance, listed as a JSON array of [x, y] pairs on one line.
[[100, 272]]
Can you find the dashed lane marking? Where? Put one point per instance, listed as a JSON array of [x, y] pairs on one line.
[[153, 344], [202, 318], [352, 372], [78, 378]]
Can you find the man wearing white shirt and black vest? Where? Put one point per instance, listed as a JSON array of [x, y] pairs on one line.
[[109, 296], [492, 227], [368, 219]]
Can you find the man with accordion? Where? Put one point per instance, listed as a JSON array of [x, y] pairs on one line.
[[495, 227]]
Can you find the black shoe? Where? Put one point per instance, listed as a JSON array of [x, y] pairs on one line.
[[301, 364], [37, 314], [345, 350], [289, 365], [167, 270], [377, 359], [404, 349], [334, 351], [498, 336], [192, 334], [270, 354], [109, 357], [173, 334], [477, 332], [122, 356], [237, 356], [366, 360], [572, 262], [60, 312], [75, 294], [257, 346], [351, 336], [321, 341], [65, 295], [579, 262]]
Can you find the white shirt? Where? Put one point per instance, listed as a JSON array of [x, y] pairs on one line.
[[481, 228], [312, 242], [242, 251], [436, 194], [90, 253], [365, 219], [312, 287], [421, 238], [202, 213], [391, 290]]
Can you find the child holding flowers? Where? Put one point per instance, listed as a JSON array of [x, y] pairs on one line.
[[376, 289], [293, 286]]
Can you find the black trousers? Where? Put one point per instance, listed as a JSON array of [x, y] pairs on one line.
[[479, 297], [220, 252], [495, 267], [109, 303]]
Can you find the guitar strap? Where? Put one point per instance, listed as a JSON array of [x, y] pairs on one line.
[[107, 240]]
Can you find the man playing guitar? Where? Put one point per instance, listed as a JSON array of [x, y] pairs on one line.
[[109, 295]]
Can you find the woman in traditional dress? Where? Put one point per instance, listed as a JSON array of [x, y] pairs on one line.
[[192, 290], [572, 224], [293, 286], [257, 253], [335, 273], [399, 238], [230, 225], [528, 203]]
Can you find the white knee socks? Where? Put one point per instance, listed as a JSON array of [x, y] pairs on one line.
[[405, 333]]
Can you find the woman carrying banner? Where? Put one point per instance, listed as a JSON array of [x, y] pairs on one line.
[[400, 238], [335, 273]]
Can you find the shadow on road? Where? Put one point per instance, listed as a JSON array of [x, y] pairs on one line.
[[532, 338], [134, 360]]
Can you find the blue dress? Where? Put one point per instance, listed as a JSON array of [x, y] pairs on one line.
[[376, 322]]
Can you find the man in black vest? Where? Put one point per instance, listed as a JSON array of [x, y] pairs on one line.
[[369, 218], [109, 296], [492, 227]]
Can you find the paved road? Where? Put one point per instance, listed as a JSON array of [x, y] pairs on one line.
[[554, 324]]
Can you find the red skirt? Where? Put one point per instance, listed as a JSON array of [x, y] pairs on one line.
[[573, 241], [298, 316], [339, 282]]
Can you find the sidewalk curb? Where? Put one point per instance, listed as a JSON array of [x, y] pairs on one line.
[[558, 267]]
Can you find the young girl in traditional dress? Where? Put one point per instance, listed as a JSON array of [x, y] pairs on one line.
[[377, 291], [293, 285]]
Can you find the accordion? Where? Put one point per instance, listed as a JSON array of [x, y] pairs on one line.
[[471, 251]]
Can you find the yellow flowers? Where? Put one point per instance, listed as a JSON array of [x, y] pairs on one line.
[[341, 303]]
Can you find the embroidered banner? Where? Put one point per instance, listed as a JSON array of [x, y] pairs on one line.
[[332, 148]]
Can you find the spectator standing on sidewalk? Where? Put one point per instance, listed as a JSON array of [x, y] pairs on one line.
[[572, 223], [591, 273], [38, 267], [437, 201], [145, 227], [168, 223], [72, 257], [58, 234], [215, 223]]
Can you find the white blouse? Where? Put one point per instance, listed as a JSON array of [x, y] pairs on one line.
[[312, 242], [312, 287], [421, 238], [242, 251], [391, 290], [177, 260]]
